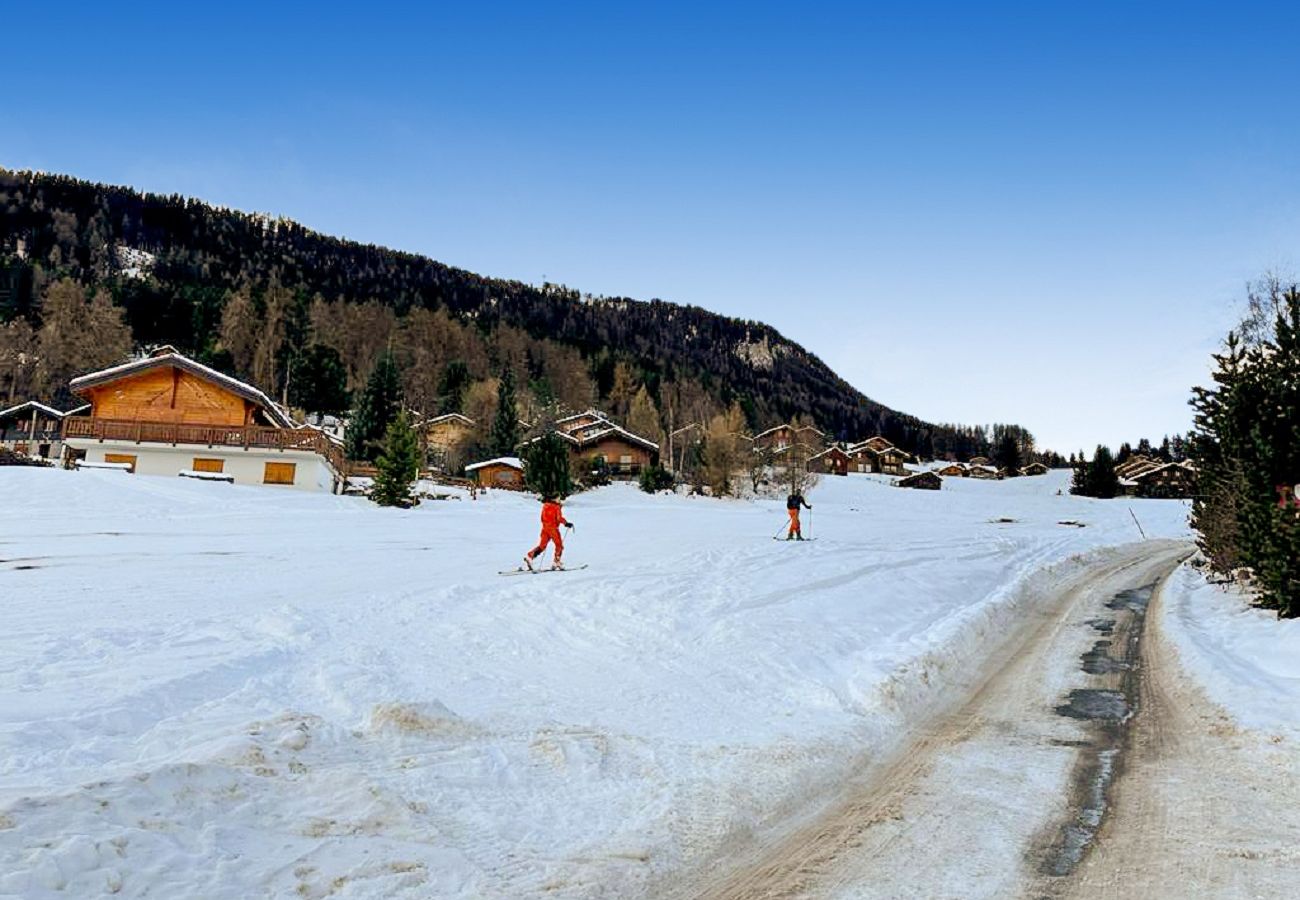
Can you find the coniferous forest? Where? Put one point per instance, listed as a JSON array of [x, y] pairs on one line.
[[89, 272]]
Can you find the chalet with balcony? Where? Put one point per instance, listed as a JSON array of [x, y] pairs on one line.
[[878, 456], [1164, 481], [34, 429], [167, 414], [597, 443], [953, 470]]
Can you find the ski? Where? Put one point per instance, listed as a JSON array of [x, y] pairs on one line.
[[804, 541], [522, 571]]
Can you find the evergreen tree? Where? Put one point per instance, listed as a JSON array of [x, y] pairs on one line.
[[1101, 480], [452, 387], [378, 406], [398, 464], [319, 382], [1007, 455], [546, 467], [504, 437]]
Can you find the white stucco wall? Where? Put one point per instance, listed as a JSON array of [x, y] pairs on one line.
[[311, 472]]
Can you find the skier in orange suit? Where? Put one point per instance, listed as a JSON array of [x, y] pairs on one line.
[[792, 504], [552, 519]]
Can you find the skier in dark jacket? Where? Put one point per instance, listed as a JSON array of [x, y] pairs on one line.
[[792, 504]]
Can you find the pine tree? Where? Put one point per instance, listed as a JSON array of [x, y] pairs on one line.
[[546, 467], [319, 382], [452, 387], [1102, 480], [504, 437], [1007, 455], [398, 464], [378, 406]]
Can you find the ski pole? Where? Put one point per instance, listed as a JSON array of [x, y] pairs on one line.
[[810, 528], [778, 531], [1137, 523]]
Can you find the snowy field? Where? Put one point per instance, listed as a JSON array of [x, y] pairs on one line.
[[222, 692], [1247, 660]]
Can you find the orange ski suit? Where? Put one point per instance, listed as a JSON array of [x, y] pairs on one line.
[[552, 519]]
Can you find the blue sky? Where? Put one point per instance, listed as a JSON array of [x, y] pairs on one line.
[[1041, 213]]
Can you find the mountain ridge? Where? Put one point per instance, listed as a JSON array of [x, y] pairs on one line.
[[57, 225]]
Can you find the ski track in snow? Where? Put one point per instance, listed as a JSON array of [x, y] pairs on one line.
[[216, 691]]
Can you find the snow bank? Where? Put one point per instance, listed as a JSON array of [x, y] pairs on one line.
[[1247, 659], [248, 691]]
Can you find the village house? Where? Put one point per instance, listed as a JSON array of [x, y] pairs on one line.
[[503, 472], [595, 442], [1135, 465], [953, 470], [984, 473], [1034, 468], [34, 429], [925, 481], [445, 439], [1166, 481], [979, 461], [169, 415], [831, 461], [782, 438], [879, 456]]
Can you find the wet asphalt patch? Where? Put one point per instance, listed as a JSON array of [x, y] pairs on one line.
[[1108, 707]]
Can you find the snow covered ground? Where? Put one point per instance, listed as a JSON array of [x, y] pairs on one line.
[[1246, 659], [218, 691]]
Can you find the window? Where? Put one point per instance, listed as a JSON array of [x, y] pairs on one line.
[[127, 458], [279, 473], [208, 465]]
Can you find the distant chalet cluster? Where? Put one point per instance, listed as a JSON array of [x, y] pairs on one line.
[[167, 414]]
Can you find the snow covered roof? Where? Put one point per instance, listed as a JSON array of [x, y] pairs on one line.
[[831, 449], [788, 427], [513, 462], [36, 405], [448, 417], [611, 428], [166, 356]]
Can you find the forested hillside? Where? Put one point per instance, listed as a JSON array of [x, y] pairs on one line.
[[306, 316]]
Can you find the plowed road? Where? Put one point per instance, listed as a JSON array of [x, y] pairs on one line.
[[1080, 762]]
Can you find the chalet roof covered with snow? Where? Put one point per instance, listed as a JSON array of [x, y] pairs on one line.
[[36, 405], [512, 462], [169, 358]]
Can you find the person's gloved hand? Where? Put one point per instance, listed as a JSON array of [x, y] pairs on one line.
[[568, 525]]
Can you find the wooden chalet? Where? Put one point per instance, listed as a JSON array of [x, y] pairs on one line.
[[1135, 465], [1034, 468], [169, 415], [596, 442], [925, 481], [503, 472], [953, 470], [876, 443], [1166, 481], [979, 461], [882, 460], [986, 473], [780, 439], [34, 429], [831, 461], [445, 439]]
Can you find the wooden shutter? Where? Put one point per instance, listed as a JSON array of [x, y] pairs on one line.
[[120, 458], [279, 473], [208, 465]]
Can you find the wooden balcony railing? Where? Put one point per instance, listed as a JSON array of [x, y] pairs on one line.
[[174, 433]]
